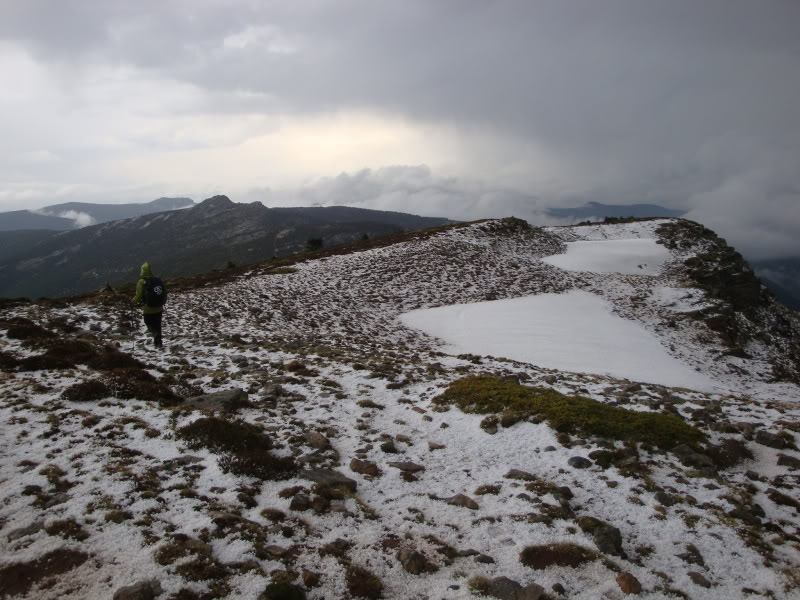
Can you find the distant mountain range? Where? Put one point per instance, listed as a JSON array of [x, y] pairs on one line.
[[67, 216], [207, 236]]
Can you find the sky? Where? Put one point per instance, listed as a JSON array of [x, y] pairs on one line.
[[456, 108]]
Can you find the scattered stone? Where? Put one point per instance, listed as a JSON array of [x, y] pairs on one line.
[[415, 562], [549, 449], [403, 438], [364, 467], [330, 478], [310, 579], [698, 579], [407, 467], [436, 446], [487, 489], [142, 590], [389, 447], [628, 583], [559, 589], [521, 475], [765, 438], [22, 532], [665, 498], [300, 502], [317, 440], [408, 477], [508, 589], [784, 460], [484, 559], [462, 500], [579, 462], [228, 400], [608, 540]]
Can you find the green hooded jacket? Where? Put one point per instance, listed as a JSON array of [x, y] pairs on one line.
[[145, 272]]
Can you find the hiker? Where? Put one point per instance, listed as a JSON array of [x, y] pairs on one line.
[[151, 294]]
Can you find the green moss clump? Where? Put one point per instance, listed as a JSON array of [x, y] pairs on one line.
[[484, 394]]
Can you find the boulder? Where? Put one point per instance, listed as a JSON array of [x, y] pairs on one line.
[[228, 400], [784, 460], [407, 467], [579, 462], [330, 478], [699, 579], [628, 583], [414, 562], [364, 467], [317, 440], [462, 500], [508, 589], [521, 475], [608, 540], [142, 590], [765, 438]]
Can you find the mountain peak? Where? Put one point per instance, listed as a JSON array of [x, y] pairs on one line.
[[217, 202]]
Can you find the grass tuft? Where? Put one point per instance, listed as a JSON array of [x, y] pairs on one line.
[[484, 394]]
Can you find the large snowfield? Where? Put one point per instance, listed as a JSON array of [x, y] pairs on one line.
[[340, 375]]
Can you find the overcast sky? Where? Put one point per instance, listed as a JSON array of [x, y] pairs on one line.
[[457, 108]]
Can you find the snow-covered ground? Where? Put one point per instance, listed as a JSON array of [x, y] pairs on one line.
[[635, 256], [334, 375], [573, 331]]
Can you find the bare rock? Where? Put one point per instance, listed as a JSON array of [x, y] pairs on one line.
[[317, 440], [462, 500], [628, 583], [228, 400], [389, 447], [407, 467], [784, 460], [508, 589], [608, 540], [142, 590], [22, 532], [330, 478], [579, 462], [765, 438], [364, 467], [436, 446], [415, 562], [300, 502], [521, 475], [699, 579]]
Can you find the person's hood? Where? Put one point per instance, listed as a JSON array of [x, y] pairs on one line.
[[146, 271]]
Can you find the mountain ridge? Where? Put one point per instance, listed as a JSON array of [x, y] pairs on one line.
[[387, 461]]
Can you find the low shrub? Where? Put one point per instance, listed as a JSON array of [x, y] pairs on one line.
[[262, 465], [86, 391], [113, 359], [29, 330], [220, 435], [138, 384], [8, 361], [729, 453], [484, 394], [282, 590], [44, 362], [363, 584]]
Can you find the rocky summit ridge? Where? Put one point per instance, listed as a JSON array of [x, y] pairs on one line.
[[296, 439]]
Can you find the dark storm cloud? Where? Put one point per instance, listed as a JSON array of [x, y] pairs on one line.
[[690, 104]]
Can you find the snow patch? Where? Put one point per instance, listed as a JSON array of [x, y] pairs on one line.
[[575, 331], [628, 257]]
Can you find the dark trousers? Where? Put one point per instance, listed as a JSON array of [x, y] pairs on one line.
[[153, 323]]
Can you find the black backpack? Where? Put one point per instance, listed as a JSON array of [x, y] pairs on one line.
[[155, 292]]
